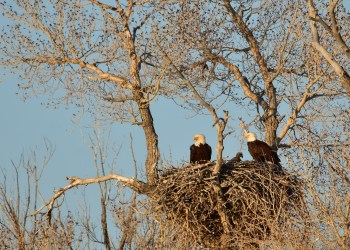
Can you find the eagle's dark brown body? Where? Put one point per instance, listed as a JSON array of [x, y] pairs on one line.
[[262, 152], [200, 154]]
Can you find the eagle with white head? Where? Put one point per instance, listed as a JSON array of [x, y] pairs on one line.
[[261, 151], [200, 151]]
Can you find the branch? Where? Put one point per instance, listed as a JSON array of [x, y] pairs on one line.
[[333, 31], [101, 75], [112, 99], [219, 123], [248, 35], [313, 145], [299, 71], [128, 223], [259, 58], [344, 76], [235, 50], [243, 82], [291, 120], [243, 126], [107, 6], [134, 184]]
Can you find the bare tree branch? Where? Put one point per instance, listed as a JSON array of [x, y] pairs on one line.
[[243, 82], [339, 70], [219, 123], [292, 119], [101, 75], [132, 183], [332, 30]]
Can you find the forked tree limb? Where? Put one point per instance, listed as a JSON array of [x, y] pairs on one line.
[[136, 185], [243, 125], [316, 44], [332, 29], [261, 61], [219, 123]]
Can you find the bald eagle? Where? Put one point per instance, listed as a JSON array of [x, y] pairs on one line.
[[200, 151], [261, 151]]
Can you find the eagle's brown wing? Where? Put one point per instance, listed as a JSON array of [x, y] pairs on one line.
[[262, 152]]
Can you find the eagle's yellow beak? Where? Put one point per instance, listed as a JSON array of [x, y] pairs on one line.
[[195, 138], [245, 136]]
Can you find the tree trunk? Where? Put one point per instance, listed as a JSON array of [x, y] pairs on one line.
[[104, 224], [151, 142], [150, 135], [271, 125]]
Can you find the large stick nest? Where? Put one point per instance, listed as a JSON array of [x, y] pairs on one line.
[[256, 203]]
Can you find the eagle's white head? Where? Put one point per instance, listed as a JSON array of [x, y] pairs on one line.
[[199, 139], [250, 136]]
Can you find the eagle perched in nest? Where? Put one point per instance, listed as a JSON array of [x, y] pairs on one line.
[[261, 151], [200, 151]]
